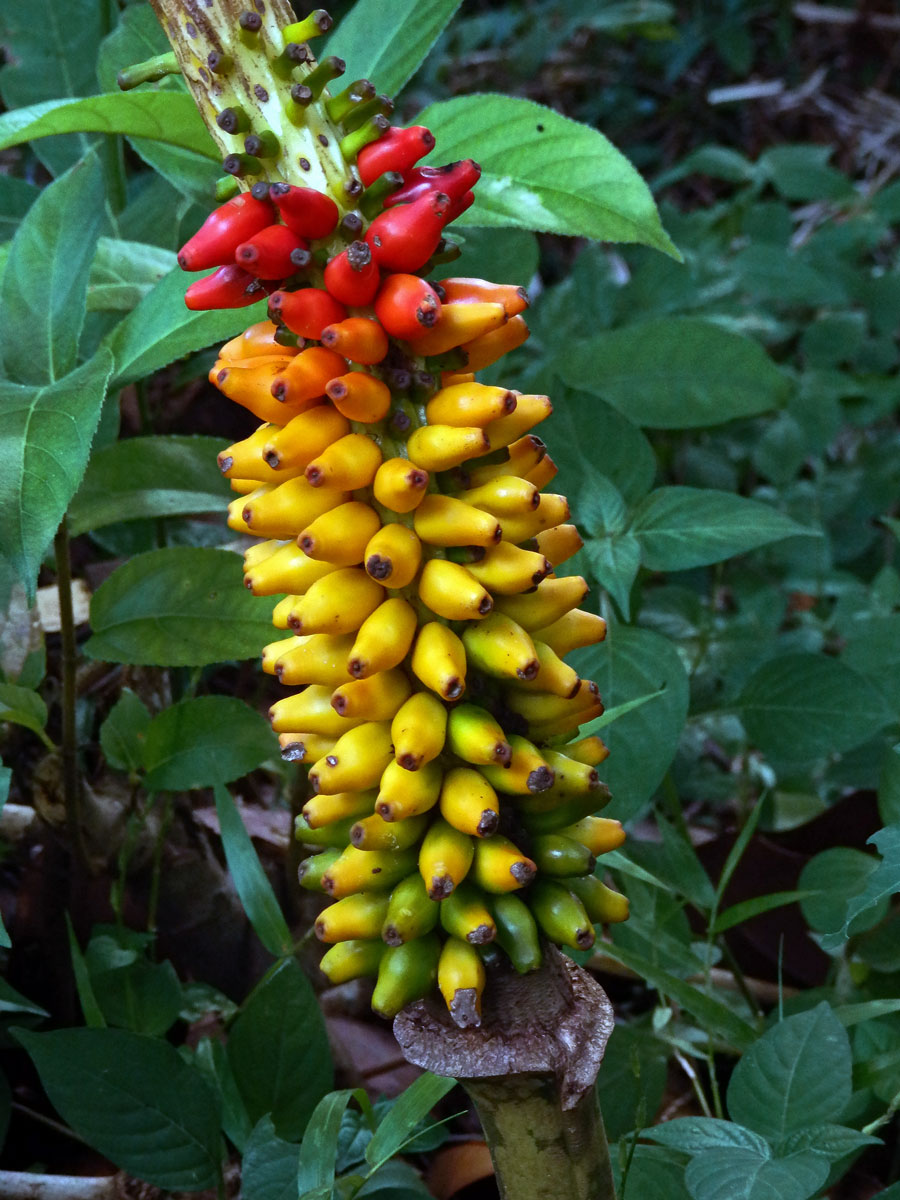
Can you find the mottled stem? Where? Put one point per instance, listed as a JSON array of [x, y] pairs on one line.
[[246, 79], [530, 1069]]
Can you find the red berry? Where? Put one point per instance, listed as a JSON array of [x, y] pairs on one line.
[[395, 150], [454, 179], [216, 240], [306, 312], [273, 253], [407, 306], [405, 237], [229, 287], [308, 212], [352, 276]]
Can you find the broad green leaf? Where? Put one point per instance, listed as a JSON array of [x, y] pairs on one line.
[[683, 527], [169, 117], [797, 1074], [22, 706], [865, 1010], [696, 1135], [161, 329], [882, 883], [142, 996], [834, 1141], [801, 706], [318, 1153], [743, 1174], [398, 1126], [51, 52], [389, 50], [123, 272], [256, 895], [653, 1175], [45, 439], [396, 1180], [135, 1100], [501, 255], [149, 477], [836, 875], [178, 607], [278, 1049], [54, 244], [615, 559], [122, 733], [618, 710], [204, 741], [630, 664], [269, 1168], [801, 172], [675, 373], [543, 171], [16, 197]]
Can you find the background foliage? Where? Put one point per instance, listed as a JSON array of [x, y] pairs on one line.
[[726, 428]]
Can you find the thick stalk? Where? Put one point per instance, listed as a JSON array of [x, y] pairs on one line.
[[530, 1069]]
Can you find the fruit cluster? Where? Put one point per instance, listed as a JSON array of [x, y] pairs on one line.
[[415, 553]]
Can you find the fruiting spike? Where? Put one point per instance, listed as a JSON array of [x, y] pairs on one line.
[[407, 532]]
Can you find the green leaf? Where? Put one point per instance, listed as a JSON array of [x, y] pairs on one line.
[[394, 1181], [747, 909], [834, 1141], [204, 741], [501, 255], [45, 438], [801, 706], [178, 607], [633, 1080], [55, 244], [802, 173], [161, 329], [51, 51], [122, 733], [743, 1174], [882, 883], [797, 1074], [12, 1001], [889, 786], [615, 560], [141, 477], [683, 527], [152, 477], [123, 273], [22, 706], [135, 1100], [93, 1014], [142, 996], [372, 48], [696, 1135], [865, 1010], [318, 1153], [651, 1176], [630, 664], [716, 1018], [211, 1058], [137, 37], [269, 1168], [169, 117], [400, 1123], [16, 197], [836, 875], [250, 882], [545, 172], [675, 373], [278, 1049]]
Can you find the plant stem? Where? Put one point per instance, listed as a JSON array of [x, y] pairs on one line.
[[530, 1069], [72, 783]]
